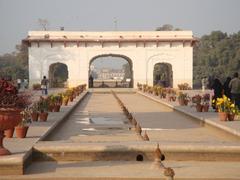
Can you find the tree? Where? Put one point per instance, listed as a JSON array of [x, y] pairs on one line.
[[216, 55], [15, 64], [165, 27]]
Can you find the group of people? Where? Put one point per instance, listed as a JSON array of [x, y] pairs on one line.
[[230, 88], [22, 83]]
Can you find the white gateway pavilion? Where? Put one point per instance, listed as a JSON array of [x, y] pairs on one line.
[[142, 49]]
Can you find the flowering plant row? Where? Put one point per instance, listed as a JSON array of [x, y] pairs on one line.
[[10, 98]]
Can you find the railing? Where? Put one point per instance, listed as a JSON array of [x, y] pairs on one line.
[[110, 84]]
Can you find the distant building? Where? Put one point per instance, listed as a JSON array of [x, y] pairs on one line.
[[105, 74]]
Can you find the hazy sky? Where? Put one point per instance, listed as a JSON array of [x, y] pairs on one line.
[[109, 62], [17, 17]]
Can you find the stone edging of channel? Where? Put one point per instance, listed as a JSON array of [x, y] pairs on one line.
[[202, 119]]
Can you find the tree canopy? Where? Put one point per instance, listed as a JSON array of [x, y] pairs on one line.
[[216, 55], [167, 27], [15, 64]]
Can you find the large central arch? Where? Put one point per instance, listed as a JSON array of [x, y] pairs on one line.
[[125, 83]]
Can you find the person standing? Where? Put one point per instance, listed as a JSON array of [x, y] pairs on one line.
[[227, 90], [90, 81], [218, 91], [19, 81], [44, 85], [234, 85], [204, 84]]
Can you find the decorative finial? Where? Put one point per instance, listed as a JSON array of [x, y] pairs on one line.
[[134, 122], [158, 154], [169, 172], [138, 129], [145, 136]]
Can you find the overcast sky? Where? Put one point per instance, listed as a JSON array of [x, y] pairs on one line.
[[17, 17]]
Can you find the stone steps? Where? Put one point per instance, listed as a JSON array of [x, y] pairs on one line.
[[127, 170], [129, 151]]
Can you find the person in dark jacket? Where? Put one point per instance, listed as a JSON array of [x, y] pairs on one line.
[[227, 89], [234, 85], [218, 91]]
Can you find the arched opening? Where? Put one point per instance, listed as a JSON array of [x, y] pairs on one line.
[[58, 75], [163, 75], [110, 71], [139, 157]]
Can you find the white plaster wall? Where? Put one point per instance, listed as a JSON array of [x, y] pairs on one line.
[[143, 59]]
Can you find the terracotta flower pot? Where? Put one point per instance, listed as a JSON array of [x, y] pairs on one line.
[[56, 108], [34, 116], [65, 102], [223, 116], [9, 133], [21, 131], [181, 102], [199, 108], [173, 99], [9, 118], [43, 116], [230, 117], [205, 108], [50, 108]]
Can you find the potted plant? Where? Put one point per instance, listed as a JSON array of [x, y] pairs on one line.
[[69, 93], [50, 102], [43, 109], [11, 104], [183, 99], [206, 99], [65, 99], [34, 111], [56, 101], [145, 87], [139, 86], [225, 108], [163, 93], [233, 111], [197, 99], [184, 86], [170, 94], [22, 127], [155, 90]]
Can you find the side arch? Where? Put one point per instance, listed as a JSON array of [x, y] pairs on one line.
[[163, 74], [58, 75], [161, 58]]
